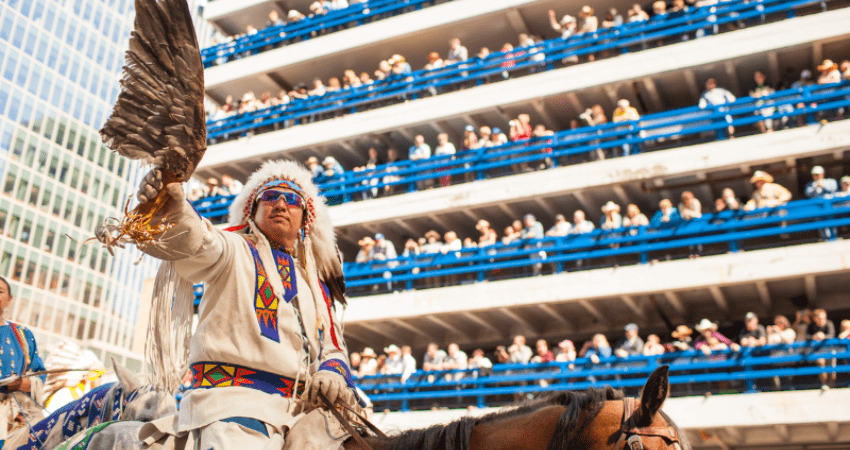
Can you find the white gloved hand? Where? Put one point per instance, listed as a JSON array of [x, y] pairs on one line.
[[331, 384]]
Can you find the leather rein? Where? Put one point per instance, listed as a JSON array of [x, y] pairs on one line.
[[630, 433], [347, 425]]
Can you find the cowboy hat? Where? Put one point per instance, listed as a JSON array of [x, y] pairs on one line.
[[312, 160], [611, 206], [368, 352], [432, 233], [760, 175], [827, 64], [682, 331], [705, 324], [482, 224], [392, 349]]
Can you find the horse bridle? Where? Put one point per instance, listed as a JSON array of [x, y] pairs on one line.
[[630, 433]]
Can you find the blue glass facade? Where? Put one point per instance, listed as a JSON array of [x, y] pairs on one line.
[[60, 62]]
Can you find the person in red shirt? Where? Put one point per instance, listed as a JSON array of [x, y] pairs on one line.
[[520, 131]]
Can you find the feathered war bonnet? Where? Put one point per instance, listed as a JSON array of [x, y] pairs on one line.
[[318, 236]]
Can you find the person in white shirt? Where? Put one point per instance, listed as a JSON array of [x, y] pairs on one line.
[[717, 97], [409, 363], [580, 223], [444, 148]]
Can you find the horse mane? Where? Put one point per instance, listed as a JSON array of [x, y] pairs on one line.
[[581, 408]]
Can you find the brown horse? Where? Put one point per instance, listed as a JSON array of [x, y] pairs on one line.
[[594, 419]]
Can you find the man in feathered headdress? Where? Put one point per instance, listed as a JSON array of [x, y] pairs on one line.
[[267, 341]]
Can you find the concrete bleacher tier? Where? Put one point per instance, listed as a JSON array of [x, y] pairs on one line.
[[772, 261]]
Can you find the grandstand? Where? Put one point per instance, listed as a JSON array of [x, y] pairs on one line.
[[768, 259]]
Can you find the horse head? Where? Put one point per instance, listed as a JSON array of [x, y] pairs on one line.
[[144, 403], [632, 424]]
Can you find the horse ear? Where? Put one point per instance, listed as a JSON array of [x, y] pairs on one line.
[[654, 392], [125, 378]]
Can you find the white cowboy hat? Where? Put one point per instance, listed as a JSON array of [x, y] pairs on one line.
[[705, 324]]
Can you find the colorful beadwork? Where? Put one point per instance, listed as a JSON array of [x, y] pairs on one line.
[[19, 335], [339, 366], [207, 375], [265, 300]]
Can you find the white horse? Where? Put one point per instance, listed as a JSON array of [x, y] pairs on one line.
[[127, 400]]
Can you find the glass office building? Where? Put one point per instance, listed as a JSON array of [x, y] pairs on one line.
[[60, 62]]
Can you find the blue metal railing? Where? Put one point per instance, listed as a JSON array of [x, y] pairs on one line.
[[682, 126], [279, 35], [543, 56], [727, 231], [768, 368]]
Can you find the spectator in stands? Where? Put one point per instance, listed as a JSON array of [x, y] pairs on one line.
[[544, 355], [637, 14], [385, 69], [409, 363], [215, 189], [566, 352], [456, 359], [468, 242], [634, 218], [294, 16], [690, 207], [365, 254], [484, 137], [683, 341], [444, 148], [334, 85], [318, 90], [753, 334], [781, 331], [653, 346], [717, 97], [231, 185], [763, 90], [594, 116], [523, 352], [631, 345], [611, 219], [420, 151], [452, 243], [481, 363], [767, 194], [612, 19], [411, 248], [588, 22], [801, 323], [434, 358], [432, 243], [520, 130], [392, 158], [511, 235], [317, 9], [626, 113], [821, 329], [488, 235], [497, 138], [659, 10], [354, 358], [470, 140], [829, 72], [732, 202], [567, 25], [333, 169], [845, 187], [502, 356], [457, 52], [580, 223], [820, 186], [368, 362], [350, 79], [596, 349], [532, 229], [383, 249], [394, 364], [708, 330], [561, 227], [434, 61], [666, 213], [845, 329], [365, 79], [678, 9], [400, 66]]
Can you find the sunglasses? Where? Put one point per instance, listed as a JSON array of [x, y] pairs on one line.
[[292, 199]]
